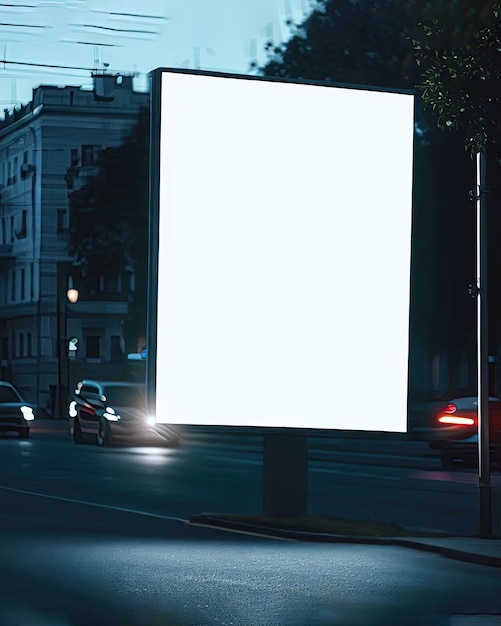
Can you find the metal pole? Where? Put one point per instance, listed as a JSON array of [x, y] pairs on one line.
[[60, 331], [62, 344], [66, 358], [484, 478]]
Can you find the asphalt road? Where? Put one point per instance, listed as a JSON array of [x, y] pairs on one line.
[[386, 481], [94, 536]]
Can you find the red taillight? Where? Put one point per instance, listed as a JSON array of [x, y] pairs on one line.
[[456, 419], [450, 408]]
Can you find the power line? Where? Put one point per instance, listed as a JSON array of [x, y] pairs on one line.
[[118, 30], [60, 67], [93, 43], [25, 25], [151, 17]]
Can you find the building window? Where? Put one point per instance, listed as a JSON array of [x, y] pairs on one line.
[[32, 282], [14, 173], [92, 350], [29, 344], [25, 157], [21, 344], [90, 154], [116, 348], [61, 221], [23, 283], [5, 348], [12, 229], [4, 231], [13, 286], [109, 284], [74, 157], [21, 233]]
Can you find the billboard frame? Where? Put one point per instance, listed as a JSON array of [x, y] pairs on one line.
[[153, 243]]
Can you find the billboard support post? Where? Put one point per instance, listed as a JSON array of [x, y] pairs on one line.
[[285, 475]]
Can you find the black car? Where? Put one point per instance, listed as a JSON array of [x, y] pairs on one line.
[[112, 412], [16, 415]]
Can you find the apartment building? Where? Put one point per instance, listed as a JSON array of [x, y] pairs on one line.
[[60, 129]]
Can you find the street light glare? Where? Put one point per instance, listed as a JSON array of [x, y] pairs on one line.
[[72, 295]]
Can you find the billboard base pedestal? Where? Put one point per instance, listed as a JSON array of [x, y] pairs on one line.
[[285, 475]]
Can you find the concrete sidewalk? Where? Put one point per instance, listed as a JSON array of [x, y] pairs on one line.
[[468, 549]]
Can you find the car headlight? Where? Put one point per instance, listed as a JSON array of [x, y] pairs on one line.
[[28, 414], [72, 409], [111, 415]]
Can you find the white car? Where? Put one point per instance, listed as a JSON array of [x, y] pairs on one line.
[[458, 421]]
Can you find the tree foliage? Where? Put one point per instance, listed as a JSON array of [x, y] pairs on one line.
[[350, 41], [457, 46], [109, 217], [109, 213]]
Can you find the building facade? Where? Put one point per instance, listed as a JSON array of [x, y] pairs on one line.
[[61, 131]]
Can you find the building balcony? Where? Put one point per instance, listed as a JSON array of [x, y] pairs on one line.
[[98, 307]]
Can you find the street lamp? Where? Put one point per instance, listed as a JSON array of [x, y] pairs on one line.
[[67, 294], [72, 295]]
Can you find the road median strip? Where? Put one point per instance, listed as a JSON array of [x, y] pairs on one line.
[[300, 529]]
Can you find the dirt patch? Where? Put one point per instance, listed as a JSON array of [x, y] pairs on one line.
[[330, 525]]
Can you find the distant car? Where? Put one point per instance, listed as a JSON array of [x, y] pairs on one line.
[[457, 442], [16, 415], [110, 412]]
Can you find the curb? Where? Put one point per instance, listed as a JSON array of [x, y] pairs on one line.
[[213, 521]]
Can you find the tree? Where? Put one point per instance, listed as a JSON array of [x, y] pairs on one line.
[[109, 214], [352, 42], [458, 48]]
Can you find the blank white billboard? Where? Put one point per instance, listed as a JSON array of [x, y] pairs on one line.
[[284, 254]]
